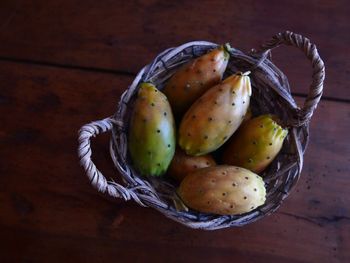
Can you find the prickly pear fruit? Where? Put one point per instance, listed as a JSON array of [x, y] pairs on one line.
[[152, 132], [183, 164], [256, 143], [215, 116], [194, 78], [223, 190]]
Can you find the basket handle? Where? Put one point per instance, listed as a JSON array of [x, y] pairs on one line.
[[96, 178], [318, 69]]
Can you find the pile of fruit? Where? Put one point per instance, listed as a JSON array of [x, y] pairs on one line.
[[174, 133]]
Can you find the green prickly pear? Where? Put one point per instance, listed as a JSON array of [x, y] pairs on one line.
[[183, 164], [194, 78], [256, 143], [223, 190], [151, 137], [215, 116]]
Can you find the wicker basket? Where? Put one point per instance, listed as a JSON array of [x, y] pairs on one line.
[[271, 94]]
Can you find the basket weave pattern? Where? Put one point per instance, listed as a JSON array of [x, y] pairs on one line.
[[271, 94]]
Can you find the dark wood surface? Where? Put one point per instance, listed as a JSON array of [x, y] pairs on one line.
[[65, 63], [123, 36]]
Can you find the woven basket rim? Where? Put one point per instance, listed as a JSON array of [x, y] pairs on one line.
[[145, 192]]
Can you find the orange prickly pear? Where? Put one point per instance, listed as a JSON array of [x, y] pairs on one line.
[[182, 164], [215, 116], [256, 143], [194, 78], [223, 190], [151, 137]]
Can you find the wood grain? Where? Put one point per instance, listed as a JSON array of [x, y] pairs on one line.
[[125, 35], [48, 210]]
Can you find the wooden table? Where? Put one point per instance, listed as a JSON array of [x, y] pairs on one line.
[[65, 63]]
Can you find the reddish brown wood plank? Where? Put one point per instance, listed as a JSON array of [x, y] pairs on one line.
[[48, 210], [77, 249], [125, 35]]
